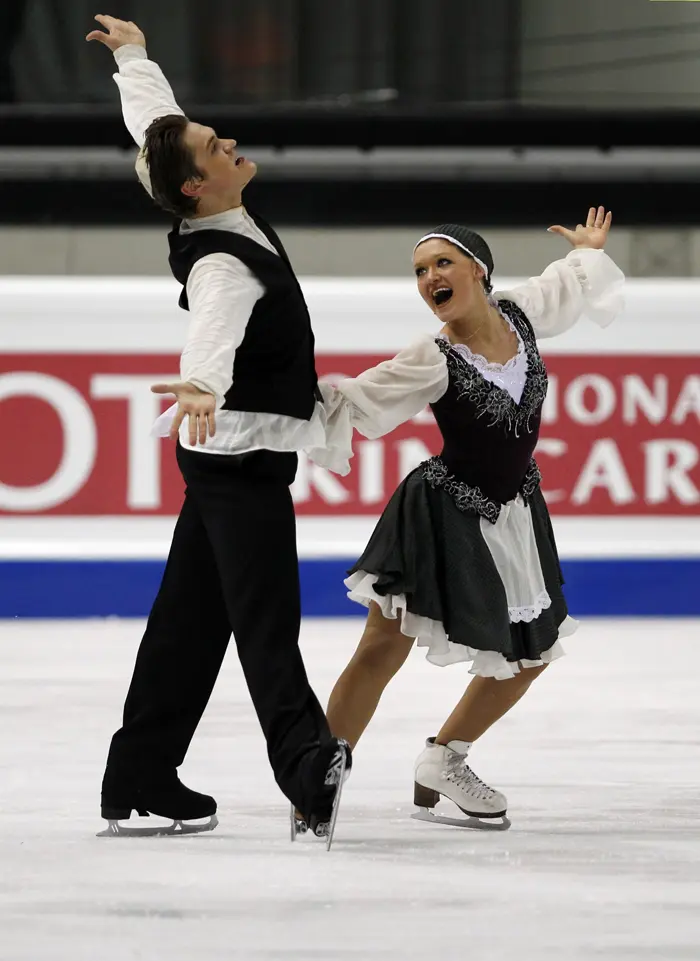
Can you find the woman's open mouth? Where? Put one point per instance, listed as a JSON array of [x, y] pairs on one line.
[[442, 295]]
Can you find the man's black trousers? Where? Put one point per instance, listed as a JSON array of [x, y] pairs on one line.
[[232, 568]]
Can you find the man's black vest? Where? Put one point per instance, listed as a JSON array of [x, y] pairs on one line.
[[273, 370]]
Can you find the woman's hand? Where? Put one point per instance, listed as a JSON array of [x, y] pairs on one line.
[[594, 235]]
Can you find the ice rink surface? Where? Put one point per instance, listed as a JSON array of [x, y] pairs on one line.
[[600, 762]]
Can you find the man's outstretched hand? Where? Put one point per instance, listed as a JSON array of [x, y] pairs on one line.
[[197, 405], [119, 33]]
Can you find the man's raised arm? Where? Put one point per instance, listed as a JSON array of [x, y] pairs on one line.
[[145, 93]]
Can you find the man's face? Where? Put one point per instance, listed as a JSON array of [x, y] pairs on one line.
[[225, 172]]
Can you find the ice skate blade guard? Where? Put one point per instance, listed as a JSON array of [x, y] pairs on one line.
[[115, 830], [474, 823]]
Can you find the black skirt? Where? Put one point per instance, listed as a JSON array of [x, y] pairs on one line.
[[440, 568]]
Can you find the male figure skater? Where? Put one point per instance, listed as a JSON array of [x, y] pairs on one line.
[[247, 401]]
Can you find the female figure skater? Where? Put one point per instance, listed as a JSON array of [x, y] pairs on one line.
[[463, 559]]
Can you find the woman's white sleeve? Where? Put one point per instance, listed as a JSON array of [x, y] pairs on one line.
[[381, 398], [585, 282]]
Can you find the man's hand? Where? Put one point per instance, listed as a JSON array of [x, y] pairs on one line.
[[119, 33], [594, 235], [195, 404]]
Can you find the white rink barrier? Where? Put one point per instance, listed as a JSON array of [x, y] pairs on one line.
[[86, 484]]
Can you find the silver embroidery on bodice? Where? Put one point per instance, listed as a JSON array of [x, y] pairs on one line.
[[493, 402], [488, 399]]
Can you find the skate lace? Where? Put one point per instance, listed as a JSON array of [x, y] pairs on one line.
[[459, 773], [336, 766], [333, 772]]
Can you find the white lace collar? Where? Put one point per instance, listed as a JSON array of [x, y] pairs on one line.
[[479, 361]]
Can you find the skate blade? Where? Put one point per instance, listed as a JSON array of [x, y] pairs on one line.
[[340, 782], [297, 826], [474, 823], [339, 773], [115, 830]]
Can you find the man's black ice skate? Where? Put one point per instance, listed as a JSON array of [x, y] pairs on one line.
[[333, 762], [167, 799], [297, 824]]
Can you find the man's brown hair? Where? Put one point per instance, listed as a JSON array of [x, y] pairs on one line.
[[171, 164]]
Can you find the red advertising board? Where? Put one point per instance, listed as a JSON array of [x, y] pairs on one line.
[[621, 435]]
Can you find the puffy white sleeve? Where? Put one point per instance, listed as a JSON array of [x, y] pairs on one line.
[[145, 95], [381, 398], [585, 282], [222, 293]]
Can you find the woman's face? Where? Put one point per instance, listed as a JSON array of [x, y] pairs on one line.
[[448, 280]]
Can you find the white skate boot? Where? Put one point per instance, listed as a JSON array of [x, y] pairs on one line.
[[443, 771]]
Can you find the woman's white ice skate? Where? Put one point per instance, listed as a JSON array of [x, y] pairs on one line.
[[442, 771]]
